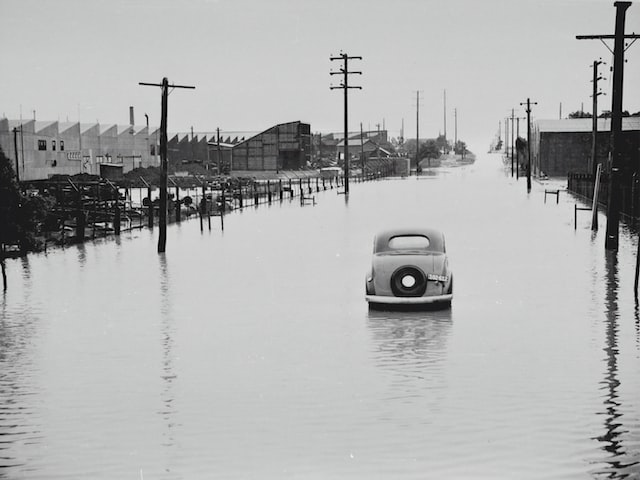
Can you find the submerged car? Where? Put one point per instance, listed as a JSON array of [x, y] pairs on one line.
[[409, 267]]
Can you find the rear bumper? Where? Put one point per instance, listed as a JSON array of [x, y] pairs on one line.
[[389, 300]]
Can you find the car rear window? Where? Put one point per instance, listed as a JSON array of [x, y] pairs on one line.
[[409, 242]]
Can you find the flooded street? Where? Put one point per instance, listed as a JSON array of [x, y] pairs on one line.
[[251, 353]]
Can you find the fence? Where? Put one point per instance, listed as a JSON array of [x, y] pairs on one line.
[[582, 184]]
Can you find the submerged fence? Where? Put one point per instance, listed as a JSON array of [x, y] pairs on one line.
[[88, 209], [583, 184]]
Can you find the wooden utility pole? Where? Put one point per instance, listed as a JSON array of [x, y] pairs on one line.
[[518, 151], [455, 127], [445, 114], [506, 136], [162, 218], [344, 71], [528, 104], [15, 147], [594, 116], [417, 129], [512, 119], [613, 203]]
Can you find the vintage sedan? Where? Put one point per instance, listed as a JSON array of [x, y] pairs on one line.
[[409, 267]]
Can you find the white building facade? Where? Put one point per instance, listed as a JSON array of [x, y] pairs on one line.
[[40, 149]]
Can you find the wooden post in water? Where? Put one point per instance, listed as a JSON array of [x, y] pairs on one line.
[[178, 211], [223, 207], [280, 188], [150, 206], [79, 213], [594, 205], [116, 213]]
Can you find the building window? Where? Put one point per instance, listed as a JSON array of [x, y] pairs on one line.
[[153, 149], [42, 144], [53, 145], [62, 145]]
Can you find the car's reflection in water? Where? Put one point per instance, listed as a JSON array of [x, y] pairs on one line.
[[410, 346]]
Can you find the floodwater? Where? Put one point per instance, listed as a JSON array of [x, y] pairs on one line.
[[251, 353]]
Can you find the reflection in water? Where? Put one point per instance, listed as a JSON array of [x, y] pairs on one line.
[[614, 429], [17, 332], [82, 254], [168, 376], [411, 345], [636, 315]]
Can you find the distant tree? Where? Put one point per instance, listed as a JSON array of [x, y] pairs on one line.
[[20, 215], [429, 150], [442, 143], [607, 114], [9, 205], [580, 114], [460, 148]]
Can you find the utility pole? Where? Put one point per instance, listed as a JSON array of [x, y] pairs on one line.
[[219, 162], [455, 129], [506, 136], [528, 104], [518, 151], [512, 119], [445, 114], [417, 129], [15, 146], [613, 203], [345, 86], [162, 219], [594, 117]]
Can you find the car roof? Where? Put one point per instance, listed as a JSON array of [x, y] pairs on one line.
[[435, 236]]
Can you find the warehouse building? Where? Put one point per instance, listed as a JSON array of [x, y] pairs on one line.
[[286, 146], [40, 149], [562, 146]]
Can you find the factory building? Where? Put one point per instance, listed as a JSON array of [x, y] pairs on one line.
[[559, 147], [286, 146], [40, 149]]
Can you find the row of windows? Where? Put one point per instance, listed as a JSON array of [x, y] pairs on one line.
[[42, 145]]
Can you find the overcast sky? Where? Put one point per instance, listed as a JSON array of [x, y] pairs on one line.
[[256, 63]]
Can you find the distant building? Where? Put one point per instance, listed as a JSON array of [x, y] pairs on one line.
[[46, 148], [286, 146], [374, 144], [562, 146]]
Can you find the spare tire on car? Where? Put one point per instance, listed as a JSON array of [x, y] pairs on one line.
[[408, 281]]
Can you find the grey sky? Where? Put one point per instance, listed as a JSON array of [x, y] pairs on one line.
[[256, 63]]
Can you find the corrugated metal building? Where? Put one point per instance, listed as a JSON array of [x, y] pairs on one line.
[[562, 146], [286, 146]]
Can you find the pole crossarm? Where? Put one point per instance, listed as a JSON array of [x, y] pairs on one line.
[[160, 85], [602, 38]]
